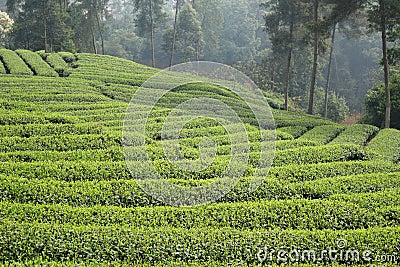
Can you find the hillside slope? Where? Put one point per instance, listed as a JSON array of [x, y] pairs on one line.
[[68, 198]]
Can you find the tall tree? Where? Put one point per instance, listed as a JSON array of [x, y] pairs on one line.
[[328, 76], [316, 50], [171, 61], [284, 18], [189, 41], [384, 15], [40, 24], [6, 25], [211, 20], [149, 14]]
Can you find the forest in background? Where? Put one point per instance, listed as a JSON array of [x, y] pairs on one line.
[[253, 36]]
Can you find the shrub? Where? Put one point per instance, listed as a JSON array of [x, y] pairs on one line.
[[36, 63], [295, 131], [58, 64], [358, 134], [13, 63], [386, 145], [322, 134]]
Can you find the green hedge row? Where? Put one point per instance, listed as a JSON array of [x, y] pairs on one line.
[[299, 173], [68, 170], [323, 134], [30, 130], [287, 214], [301, 156], [100, 158], [358, 134], [67, 57], [13, 117], [295, 131], [24, 241], [66, 106], [191, 152], [287, 118], [2, 68], [58, 64], [106, 170], [318, 154], [40, 262], [60, 97], [384, 198], [126, 193], [109, 154], [62, 142], [386, 145], [110, 70], [36, 63], [13, 63]]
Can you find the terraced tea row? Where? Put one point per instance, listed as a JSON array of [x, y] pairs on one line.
[[25, 62], [149, 245], [127, 193], [68, 198]]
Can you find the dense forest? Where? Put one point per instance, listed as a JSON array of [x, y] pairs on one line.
[[323, 56]]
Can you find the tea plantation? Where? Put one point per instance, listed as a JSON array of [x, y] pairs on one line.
[[68, 199]]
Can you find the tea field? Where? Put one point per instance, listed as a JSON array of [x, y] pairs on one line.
[[68, 199]]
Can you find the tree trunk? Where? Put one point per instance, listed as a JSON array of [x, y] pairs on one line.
[[45, 36], [100, 32], [315, 65], [328, 78], [93, 41], [288, 67], [171, 62], [385, 61], [273, 77], [45, 27], [153, 56]]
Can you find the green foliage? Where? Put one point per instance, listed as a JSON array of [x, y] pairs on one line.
[[375, 103], [358, 134], [57, 63], [36, 63], [67, 197], [126, 193], [323, 134], [288, 214], [6, 25], [189, 35], [121, 243], [284, 119], [386, 145], [2, 68], [61, 143], [68, 57], [41, 24], [92, 67], [13, 63], [295, 131]]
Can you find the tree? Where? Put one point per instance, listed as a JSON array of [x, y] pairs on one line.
[[86, 18], [40, 24], [6, 26], [342, 10], [171, 62], [375, 103], [315, 62], [328, 78], [284, 18], [384, 15], [189, 36], [149, 14], [211, 20]]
